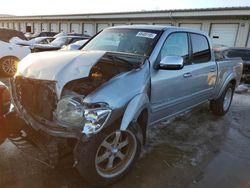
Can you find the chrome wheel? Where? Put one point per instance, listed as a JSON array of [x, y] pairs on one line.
[[227, 99], [9, 65], [115, 153]]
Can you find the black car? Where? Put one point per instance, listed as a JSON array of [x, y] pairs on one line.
[[58, 43], [44, 34], [244, 53]]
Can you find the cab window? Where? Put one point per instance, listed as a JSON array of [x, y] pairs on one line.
[[175, 45], [200, 49]]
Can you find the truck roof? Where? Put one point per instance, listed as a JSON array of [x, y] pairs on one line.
[[158, 28], [150, 27]]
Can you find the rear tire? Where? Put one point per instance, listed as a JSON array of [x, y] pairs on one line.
[[221, 105], [107, 156]]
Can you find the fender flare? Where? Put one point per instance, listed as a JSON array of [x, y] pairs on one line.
[[229, 78], [133, 110]]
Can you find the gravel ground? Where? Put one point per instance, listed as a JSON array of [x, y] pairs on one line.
[[194, 150]]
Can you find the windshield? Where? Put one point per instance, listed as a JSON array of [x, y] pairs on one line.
[[60, 41], [134, 41]]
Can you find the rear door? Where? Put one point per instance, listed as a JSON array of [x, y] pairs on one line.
[[204, 69]]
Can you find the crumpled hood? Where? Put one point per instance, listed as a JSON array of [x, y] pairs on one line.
[[59, 66]]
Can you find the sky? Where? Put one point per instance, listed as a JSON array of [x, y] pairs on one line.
[[46, 7]]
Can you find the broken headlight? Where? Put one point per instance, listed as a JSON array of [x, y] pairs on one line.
[[70, 111]]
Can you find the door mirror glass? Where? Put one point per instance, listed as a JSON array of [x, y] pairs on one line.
[[73, 47], [171, 63]]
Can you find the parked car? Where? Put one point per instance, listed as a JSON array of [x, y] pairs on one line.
[[32, 42], [98, 102], [57, 43], [243, 53], [10, 54], [44, 34], [75, 46]]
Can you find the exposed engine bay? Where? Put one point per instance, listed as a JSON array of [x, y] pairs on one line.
[[108, 67]]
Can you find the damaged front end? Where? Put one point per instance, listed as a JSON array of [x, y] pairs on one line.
[[58, 108], [55, 107]]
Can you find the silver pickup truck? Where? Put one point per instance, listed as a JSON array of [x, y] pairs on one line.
[[98, 102]]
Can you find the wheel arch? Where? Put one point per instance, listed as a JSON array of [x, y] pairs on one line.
[[230, 79], [9, 56], [137, 111]]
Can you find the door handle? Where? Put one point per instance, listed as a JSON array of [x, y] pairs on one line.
[[187, 75], [212, 70]]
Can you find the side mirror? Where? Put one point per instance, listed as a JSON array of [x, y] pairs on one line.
[[171, 63], [73, 47]]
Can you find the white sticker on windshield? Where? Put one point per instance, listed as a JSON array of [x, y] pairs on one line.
[[146, 35]]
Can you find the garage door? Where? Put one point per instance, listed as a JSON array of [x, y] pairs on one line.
[[23, 27], [88, 29], [119, 24], [6, 25], [191, 25], [64, 28], [54, 27], [101, 27], [29, 27], [37, 28], [11, 25], [75, 28], [139, 23], [45, 27], [16, 26], [224, 34], [163, 24], [248, 40]]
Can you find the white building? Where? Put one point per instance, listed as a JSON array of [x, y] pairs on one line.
[[228, 26]]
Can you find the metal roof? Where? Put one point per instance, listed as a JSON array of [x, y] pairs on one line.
[[158, 28], [149, 27], [201, 12]]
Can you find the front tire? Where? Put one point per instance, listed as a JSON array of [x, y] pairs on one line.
[[221, 105], [8, 66], [107, 156]]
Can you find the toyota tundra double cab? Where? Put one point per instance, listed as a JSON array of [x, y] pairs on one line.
[[98, 102]]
